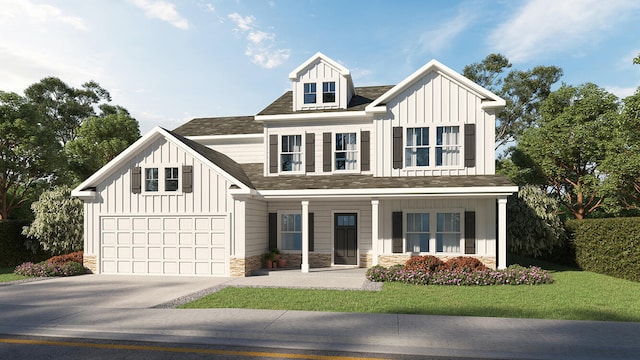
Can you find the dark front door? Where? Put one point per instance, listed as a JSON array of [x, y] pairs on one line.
[[345, 250]]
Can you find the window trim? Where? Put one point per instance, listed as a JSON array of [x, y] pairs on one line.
[[161, 179], [433, 130], [279, 229], [312, 86], [176, 179], [433, 230], [357, 152], [324, 93], [302, 153]]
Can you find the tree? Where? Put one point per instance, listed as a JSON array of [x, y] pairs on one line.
[[533, 224], [58, 226], [100, 139], [570, 143], [28, 152], [523, 92]]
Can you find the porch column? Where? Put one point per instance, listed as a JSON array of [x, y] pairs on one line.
[[305, 237], [502, 233], [374, 230]]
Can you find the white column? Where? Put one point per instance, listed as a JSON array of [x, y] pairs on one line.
[[502, 233], [374, 230], [305, 237]]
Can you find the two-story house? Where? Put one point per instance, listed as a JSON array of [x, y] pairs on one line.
[[329, 173]]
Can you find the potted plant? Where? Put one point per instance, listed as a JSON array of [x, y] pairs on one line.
[[276, 254], [268, 260], [282, 262]]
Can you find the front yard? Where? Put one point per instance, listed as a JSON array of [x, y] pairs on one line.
[[574, 295], [6, 274]]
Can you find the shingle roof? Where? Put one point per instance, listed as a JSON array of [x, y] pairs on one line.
[[221, 160], [357, 181], [364, 96], [231, 125]]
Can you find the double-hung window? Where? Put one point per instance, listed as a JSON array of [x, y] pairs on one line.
[[448, 146], [151, 179], [291, 153], [310, 93], [171, 179], [417, 149], [329, 92], [418, 235], [291, 232], [346, 154], [448, 233]]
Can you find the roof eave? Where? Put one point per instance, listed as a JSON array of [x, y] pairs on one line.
[[475, 191]]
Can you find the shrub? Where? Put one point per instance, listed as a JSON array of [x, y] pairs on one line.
[[426, 263], [13, 250], [63, 259], [47, 269], [465, 263]]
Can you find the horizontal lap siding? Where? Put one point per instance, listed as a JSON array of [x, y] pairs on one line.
[[242, 153], [256, 228]]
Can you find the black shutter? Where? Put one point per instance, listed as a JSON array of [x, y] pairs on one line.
[[136, 180], [187, 178], [273, 231], [326, 152], [365, 151], [469, 232], [310, 152], [396, 232], [311, 232], [469, 145], [397, 147], [273, 154]]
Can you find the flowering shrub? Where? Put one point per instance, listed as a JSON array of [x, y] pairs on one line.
[[48, 269], [513, 275], [465, 263], [423, 263], [62, 259]]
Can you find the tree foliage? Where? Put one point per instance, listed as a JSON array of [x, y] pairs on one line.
[[533, 224], [58, 226], [523, 90]]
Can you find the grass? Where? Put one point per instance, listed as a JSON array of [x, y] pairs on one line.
[[574, 295], [6, 274]]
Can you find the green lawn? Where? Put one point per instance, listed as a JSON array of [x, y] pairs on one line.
[[574, 295], [6, 274]]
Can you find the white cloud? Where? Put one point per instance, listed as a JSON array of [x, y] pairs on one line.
[[38, 13], [443, 35], [164, 11], [260, 47], [550, 26], [621, 92]]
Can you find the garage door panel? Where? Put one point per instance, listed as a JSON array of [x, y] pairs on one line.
[[164, 245]]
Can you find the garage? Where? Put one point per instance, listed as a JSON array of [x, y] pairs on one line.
[[164, 245]]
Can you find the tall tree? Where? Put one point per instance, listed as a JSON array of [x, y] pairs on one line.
[[28, 152], [569, 144], [523, 92]]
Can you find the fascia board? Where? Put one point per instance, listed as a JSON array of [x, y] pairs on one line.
[[314, 116], [395, 192], [343, 70]]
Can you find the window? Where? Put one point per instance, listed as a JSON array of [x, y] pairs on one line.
[[417, 149], [151, 179], [447, 145], [448, 233], [418, 235], [291, 153], [291, 232], [346, 152], [329, 92], [171, 179], [309, 93]]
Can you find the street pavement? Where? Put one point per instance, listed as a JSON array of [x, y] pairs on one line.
[[135, 308]]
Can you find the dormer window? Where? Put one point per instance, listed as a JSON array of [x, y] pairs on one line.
[[329, 92], [310, 93]]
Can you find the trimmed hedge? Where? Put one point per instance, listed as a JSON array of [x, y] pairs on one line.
[[12, 245], [607, 246]]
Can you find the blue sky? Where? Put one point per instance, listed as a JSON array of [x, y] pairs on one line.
[[168, 61]]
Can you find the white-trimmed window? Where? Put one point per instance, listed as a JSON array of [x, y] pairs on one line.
[[309, 93], [448, 146], [291, 153], [417, 233], [171, 179], [346, 151], [417, 147], [448, 232], [329, 92], [291, 232], [151, 179]]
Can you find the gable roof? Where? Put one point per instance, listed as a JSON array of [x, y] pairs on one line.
[[319, 56], [230, 125], [490, 100], [363, 97], [214, 159]]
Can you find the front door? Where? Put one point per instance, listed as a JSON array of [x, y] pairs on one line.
[[345, 250]]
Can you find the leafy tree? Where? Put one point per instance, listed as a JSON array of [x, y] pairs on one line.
[[100, 139], [58, 226], [28, 152], [570, 144], [533, 224], [523, 92]]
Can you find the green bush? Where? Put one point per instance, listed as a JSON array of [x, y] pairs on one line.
[[13, 250], [607, 246]]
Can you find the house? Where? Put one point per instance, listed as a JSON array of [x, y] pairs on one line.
[[330, 173]]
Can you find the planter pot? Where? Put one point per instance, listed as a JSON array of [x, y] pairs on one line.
[[268, 264], [282, 263]]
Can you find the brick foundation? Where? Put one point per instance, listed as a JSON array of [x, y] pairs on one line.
[[89, 261], [390, 260]]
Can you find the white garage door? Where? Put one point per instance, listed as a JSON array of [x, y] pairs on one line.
[[164, 245]]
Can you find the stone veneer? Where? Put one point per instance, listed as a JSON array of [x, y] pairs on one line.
[[244, 267], [89, 261], [390, 260]]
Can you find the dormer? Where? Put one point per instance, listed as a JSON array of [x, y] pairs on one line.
[[321, 83]]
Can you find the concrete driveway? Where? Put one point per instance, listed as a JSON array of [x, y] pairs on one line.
[[108, 291]]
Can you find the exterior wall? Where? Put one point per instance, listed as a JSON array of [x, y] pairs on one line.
[[435, 100], [241, 150], [256, 228], [114, 196], [317, 72]]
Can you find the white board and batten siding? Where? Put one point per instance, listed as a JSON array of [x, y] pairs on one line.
[[319, 72], [435, 100], [163, 232]]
